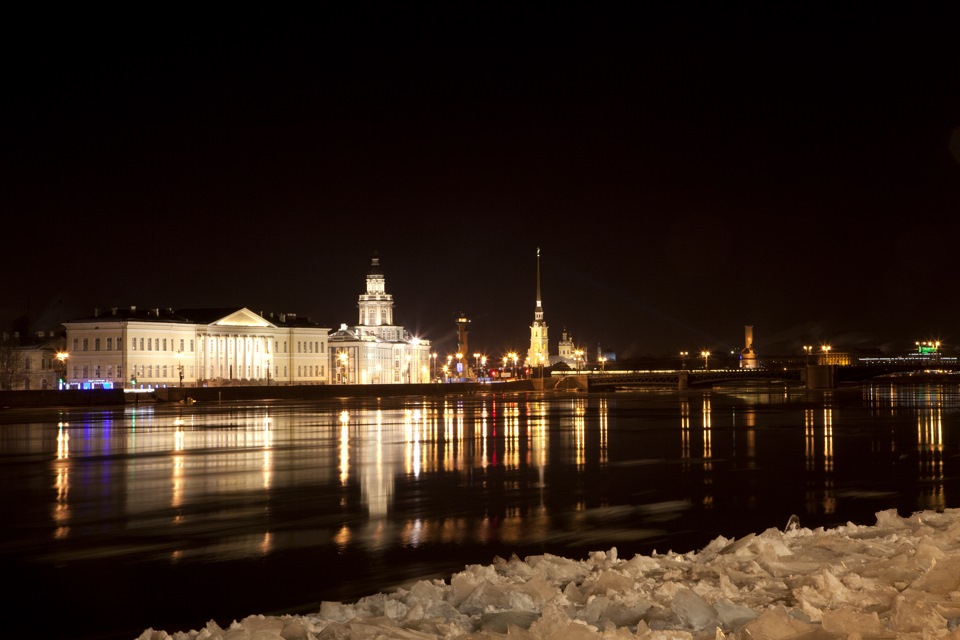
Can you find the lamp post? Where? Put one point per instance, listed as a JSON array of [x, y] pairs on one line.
[[62, 367], [268, 371], [513, 356], [433, 374], [180, 365], [603, 363], [476, 366], [578, 356], [706, 359], [483, 365], [683, 360], [826, 353], [408, 368], [446, 371], [459, 365], [808, 349]]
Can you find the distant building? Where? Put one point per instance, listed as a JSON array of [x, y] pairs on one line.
[[539, 352], [30, 361], [151, 348], [376, 351], [566, 350]]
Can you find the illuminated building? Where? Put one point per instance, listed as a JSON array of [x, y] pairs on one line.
[[376, 351], [539, 350], [150, 348]]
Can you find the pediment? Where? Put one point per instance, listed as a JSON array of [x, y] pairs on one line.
[[243, 318]]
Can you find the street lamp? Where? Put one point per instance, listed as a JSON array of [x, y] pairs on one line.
[[434, 356], [826, 353], [180, 365], [459, 365], [603, 363], [683, 359], [62, 367], [268, 371], [476, 366], [513, 356], [408, 368], [808, 349], [706, 359], [578, 355]]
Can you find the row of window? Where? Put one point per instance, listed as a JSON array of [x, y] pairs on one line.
[[163, 371], [146, 344], [160, 344]]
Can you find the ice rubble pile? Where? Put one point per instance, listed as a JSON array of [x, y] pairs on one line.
[[897, 579]]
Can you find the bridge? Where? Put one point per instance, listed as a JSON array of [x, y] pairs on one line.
[[812, 376]]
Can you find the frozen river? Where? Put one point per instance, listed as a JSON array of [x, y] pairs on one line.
[[166, 516]]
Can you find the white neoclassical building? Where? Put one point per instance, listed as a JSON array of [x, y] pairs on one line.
[[376, 351], [151, 348]]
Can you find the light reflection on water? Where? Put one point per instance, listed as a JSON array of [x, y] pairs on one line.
[[429, 483]]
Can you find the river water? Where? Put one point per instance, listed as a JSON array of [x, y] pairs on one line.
[[167, 516]]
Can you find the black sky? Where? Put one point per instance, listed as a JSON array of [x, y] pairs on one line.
[[684, 175]]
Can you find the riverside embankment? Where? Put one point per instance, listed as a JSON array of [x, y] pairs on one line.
[[107, 397]]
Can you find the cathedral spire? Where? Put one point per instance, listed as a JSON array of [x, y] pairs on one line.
[[538, 314], [538, 354]]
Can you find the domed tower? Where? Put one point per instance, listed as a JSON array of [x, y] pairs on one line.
[[376, 305]]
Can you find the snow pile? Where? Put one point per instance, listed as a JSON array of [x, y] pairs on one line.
[[897, 579]]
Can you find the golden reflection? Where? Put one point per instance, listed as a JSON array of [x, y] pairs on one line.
[[511, 444], [344, 447], [930, 446], [750, 422], [604, 425], [685, 433], [707, 453], [376, 485], [176, 482], [342, 538], [829, 497], [411, 428], [61, 513], [266, 545], [579, 428], [481, 435], [267, 453], [63, 441]]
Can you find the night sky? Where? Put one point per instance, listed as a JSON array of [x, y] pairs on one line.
[[683, 175]]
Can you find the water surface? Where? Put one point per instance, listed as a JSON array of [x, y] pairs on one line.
[[166, 516]]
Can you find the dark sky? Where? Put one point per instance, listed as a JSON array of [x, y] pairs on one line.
[[683, 175]]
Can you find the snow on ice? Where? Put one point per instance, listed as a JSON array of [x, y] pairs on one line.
[[897, 579]]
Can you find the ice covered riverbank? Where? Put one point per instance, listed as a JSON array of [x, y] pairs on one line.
[[899, 578]]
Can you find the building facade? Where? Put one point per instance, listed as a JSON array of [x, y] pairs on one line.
[[152, 348], [376, 351], [31, 361]]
